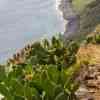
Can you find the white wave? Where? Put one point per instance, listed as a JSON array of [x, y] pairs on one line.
[[1, 97]]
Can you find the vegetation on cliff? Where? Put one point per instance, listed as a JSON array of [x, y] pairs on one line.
[[46, 74], [44, 70]]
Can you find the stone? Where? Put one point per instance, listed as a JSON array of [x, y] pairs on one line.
[[82, 91], [92, 83]]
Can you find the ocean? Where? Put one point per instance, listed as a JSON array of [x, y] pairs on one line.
[[22, 21]]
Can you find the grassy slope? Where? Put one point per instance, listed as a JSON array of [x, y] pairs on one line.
[[80, 5]]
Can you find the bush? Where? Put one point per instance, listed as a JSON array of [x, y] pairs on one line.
[[47, 73], [93, 39], [41, 82]]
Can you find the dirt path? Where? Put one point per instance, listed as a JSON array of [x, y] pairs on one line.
[[89, 76]]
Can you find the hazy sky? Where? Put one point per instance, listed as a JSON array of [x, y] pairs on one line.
[[23, 20]]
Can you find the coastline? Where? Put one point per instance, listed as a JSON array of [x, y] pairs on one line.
[[71, 18], [26, 20], [79, 24], [75, 25], [59, 4]]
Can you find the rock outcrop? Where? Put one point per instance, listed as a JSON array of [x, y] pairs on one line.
[[80, 23], [89, 75]]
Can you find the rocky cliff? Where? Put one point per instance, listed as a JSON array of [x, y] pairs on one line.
[[80, 22], [89, 75]]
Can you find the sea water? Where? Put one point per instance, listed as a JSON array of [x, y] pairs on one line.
[[24, 20]]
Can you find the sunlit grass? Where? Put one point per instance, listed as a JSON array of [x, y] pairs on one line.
[[79, 5]]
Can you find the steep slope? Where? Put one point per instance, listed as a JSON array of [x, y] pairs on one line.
[[90, 17], [81, 15], [89, 75]]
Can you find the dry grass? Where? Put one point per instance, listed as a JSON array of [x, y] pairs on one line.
[[89, 53]]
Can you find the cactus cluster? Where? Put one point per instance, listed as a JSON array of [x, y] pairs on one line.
[[46, 73]]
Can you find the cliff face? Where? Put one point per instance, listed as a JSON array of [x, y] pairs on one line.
[[80, 22], [71, 16], [89, 75], [90, 17]]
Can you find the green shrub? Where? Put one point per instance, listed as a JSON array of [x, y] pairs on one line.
[[41, 82], [93, 39], [47, 73]]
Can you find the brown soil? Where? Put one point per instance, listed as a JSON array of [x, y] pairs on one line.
[[89, 76]]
